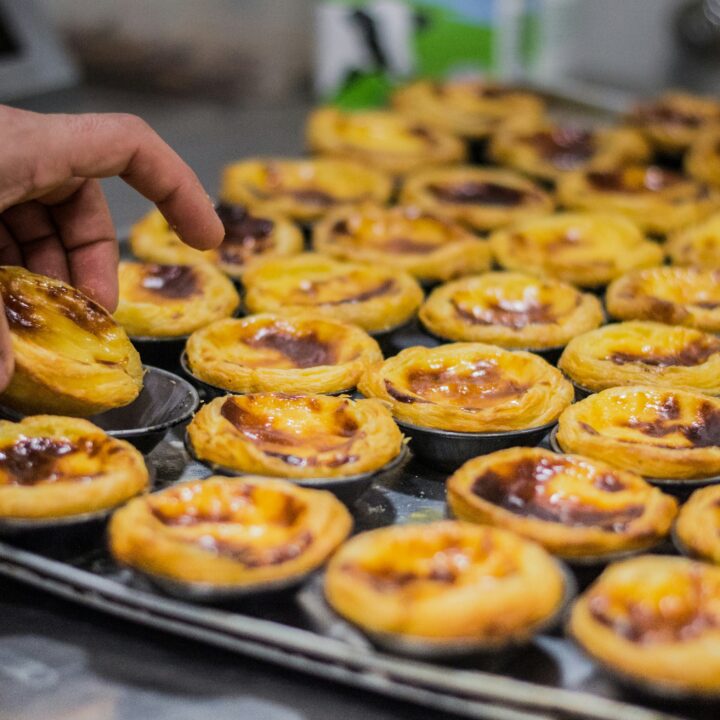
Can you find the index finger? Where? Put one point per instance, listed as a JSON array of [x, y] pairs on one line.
[[103, 145]]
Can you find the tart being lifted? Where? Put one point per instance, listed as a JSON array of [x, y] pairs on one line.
[[511, 310], [375, 298], [252, 533], [383, 139], [445, 583], [586, 249], [470, 108], [300, 353], [54, 467], [172, 300], [481, 198], [573, 506], [660, 201], [655, 432], [295, 436], [304, 190], [427, 245], [644, 353], [654, 620], [673, 295], [71, 357], [469, 387]]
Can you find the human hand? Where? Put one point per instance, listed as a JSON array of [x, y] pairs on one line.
[[54, 218]]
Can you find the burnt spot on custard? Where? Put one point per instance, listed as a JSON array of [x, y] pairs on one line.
[[312, 289], [515, 314], [667, 115], [423, 133], [473, 192], [304, 350], [311, 196], [565, 147], [246, 235], [388, 579], [653, 179], [408, 246], [172, 282], [34, 460], [692, 354], [640, 623], [335, 440], [523, 489], [21, 314]]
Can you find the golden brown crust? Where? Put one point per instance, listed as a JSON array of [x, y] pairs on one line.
[[672, 295], [428, 246], [698, 525], [71, 357], [573, 506], [660, 201], [469, 387], [481, 198], [239, 532], [470, 108], [655, 432], [172, 300], [673, 120], [375, 298], [546, 150], [304, 190], [702, 160], [55, 467], [512, 310], [697, 245], [302, 353], [295, 436], [586, 249], [428, 582], [644, 353], [654, 619], [383, 139]]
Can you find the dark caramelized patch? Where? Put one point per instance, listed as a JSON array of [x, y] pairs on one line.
[[20, 313], [509, 313], [406, 245], [313, 197], [304, 350], [566, 148], [245, 235], [388, 579], [692, 354], [654, 179], [423, 133], [33, 460], [174, 282], [522, 488], [703, 432], [473, 192], [386, 287], [660, 113]]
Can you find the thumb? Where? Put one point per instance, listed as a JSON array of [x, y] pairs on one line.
[[7, 361]]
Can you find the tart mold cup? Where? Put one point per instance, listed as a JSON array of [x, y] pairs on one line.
[[424, 649], [448, 450], [165, 401], [679, 487], [210, 392], [346, 489]]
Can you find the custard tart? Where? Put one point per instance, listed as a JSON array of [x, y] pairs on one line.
[[172, 300], [302, 353], [245, 533], [247, 236], [573, 506], [445, 583], [54, 467], [71, 357], [672, 121], [547, 150], [375, 298], [305, 189], [697, 245], [469, 387], [471, 108], [295, 436], [644, 353], [697, 530], [427, 245], [673, 295], [656, 621], [655, 432], [383, 139], [658, 200], [586, 249], [512, 310], [481, 198]]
